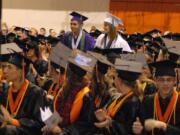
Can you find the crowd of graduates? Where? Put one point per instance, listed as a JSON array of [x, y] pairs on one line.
[[100, 83]]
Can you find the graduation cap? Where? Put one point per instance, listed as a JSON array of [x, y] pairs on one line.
[[42, 38], [173, 48], [103, 64], [10, 37], [128, 70], [41, 67], [24, 30], [154, 33], [53, 41], [60, 54], [115, 21], [111, 53], [108, 52], [32, 42], [138, 57], [18, 28], [22, 44], [147, 37], [6, 51], [11, 53], [10, 48], [176, 36], [135, 40], [81, 62], [164, 68], [96, 33], [78, 17]]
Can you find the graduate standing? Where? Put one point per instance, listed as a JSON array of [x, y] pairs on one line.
[[77, 38], [111, 38]]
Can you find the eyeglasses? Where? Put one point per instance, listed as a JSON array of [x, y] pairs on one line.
[[166, 79], [3, 66]]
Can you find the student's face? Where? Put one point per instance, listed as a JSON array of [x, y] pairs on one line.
[[11, 72], [30, 53], [106, 27], [118, 83], [75, 26], [42, 32], [33, 32], [54, 74], [19, 33], [165, 84], [146, 72], [53, 33]]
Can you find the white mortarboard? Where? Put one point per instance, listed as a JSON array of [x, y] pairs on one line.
[[115, 21]]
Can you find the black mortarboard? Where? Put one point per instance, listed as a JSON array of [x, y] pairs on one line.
[[7, 50], [60, 55], [173, 48], [111, 53], [22, 44], [176, 36], [96, 33], [164, 68], [103, 63], [11, 54], [128, 70], [24, 30], [78, 17], [138, 57], [154, 32], [42, 38], [10, 37], [41, 67], [32, 42], [53, 41], [147, 37], [81, 62], [135, 40], [18, 28]]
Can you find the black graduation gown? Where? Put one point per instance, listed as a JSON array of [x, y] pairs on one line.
[[84, 124], [28, 114], [123, 120], [85, 121], [147, 111], [150, 89]]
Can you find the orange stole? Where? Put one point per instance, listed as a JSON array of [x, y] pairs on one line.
[[97, 101], [170, 108], [114, 106], [77, 104], [51, 91], [15, 105]]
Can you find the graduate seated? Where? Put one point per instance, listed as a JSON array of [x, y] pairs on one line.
[[160, 112], [118, 116], [58, 62], [21, 100], [74, 102]]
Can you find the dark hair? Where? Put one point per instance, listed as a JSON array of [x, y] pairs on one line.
[[43, 29], [135, 86], [73, 81], [112, 33], [98, 86]]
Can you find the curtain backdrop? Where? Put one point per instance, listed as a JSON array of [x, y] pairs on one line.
[[144, 15]]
